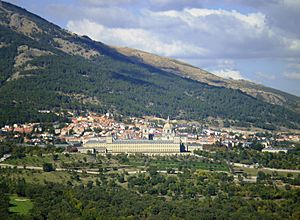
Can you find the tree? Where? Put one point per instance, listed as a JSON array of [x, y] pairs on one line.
[[20, 187], [211, 189], [4, 205], [121, 178], [152, 171], [89, 184], [55, 157], [260, 176], [48, 167]]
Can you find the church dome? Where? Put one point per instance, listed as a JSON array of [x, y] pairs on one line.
[[168, 127]]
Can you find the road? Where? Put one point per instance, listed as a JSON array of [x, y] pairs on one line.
[[264, 168], [41, 168], [74, 170]]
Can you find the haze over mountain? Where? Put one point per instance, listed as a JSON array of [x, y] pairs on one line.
[[44, 67]]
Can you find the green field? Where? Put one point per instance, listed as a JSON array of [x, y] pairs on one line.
[[20, 205]]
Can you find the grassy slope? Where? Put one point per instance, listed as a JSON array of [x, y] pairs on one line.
[[20, 205]]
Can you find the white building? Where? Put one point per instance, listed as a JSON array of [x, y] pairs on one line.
[[168, 143]]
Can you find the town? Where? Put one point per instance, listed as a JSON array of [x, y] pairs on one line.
[[242, 151], [84, 133]]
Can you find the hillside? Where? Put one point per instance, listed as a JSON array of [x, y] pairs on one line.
[[261, 92], [44, 67]]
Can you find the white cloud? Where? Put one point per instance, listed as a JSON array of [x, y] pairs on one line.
[[256, 20], [193, 32], [135, 38], [282, 15], [229, 74], [292, 75], [197, 33]]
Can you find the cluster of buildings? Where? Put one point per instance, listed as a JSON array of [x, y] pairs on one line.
[[29, 133], [138, 135], [102, 134], [167, 142]]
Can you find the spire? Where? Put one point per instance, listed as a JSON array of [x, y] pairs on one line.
[[168, 120]]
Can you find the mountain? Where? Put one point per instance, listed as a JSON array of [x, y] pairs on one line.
[[44, 67], [261, 92]]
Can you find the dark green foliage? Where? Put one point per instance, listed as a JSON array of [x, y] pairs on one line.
[[20, 187], [261, 176], [280, 160], [205, 196], [48, 167], [4, 205]]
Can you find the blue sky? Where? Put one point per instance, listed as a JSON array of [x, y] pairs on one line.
[[257, 40]]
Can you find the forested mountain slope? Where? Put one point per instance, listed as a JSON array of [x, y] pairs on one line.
[[261, 92], [43, 67]]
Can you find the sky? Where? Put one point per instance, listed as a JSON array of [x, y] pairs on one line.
[[256, 40]]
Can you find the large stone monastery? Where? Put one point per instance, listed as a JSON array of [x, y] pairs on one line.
[[167, 143]]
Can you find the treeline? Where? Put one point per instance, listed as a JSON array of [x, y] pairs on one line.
[[19, 152]]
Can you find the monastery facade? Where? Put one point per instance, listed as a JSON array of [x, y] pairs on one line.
[[168, 143]]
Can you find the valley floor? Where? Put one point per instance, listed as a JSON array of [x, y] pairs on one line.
[[86, 186]]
